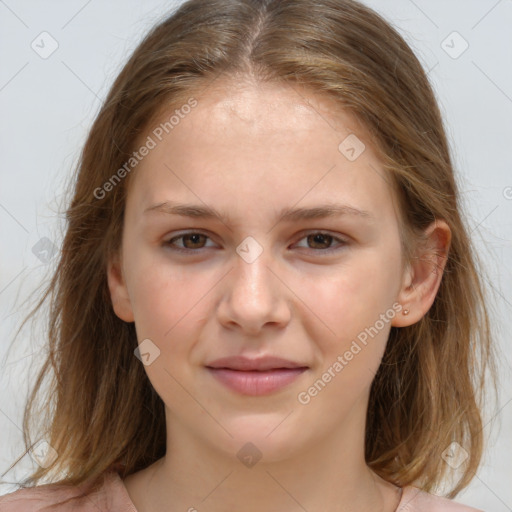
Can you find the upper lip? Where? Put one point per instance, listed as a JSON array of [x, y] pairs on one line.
[[247, 364]]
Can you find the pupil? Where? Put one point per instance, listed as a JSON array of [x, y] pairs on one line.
[[320, 237], [194, 238]]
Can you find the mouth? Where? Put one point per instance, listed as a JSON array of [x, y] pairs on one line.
[[255, 377]]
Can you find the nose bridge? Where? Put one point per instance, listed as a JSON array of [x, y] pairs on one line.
[[254, 296], [252, 276]]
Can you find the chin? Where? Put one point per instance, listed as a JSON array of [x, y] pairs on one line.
[[265, 437]]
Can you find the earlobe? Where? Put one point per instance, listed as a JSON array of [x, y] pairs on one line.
[[118, 290], [422, 277]]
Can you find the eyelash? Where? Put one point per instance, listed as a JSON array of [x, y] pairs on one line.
[[169, 242]]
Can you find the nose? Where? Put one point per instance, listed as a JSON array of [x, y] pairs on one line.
[[254, 296]]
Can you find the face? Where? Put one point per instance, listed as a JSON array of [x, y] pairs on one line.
[[318, 291]]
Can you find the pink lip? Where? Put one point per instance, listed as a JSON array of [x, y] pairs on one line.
[[254, 382], [256, 363], [255, 376]]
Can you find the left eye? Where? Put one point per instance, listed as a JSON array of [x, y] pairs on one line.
[[323, 239], [195, 240]]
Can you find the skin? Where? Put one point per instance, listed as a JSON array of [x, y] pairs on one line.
[[249, 150]]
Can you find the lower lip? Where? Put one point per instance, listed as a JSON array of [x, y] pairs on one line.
[[256, 383]]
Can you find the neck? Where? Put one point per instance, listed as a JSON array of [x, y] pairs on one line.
[[279, 487], [330, 475]]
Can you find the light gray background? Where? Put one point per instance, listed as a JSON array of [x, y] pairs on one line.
[[47, 106]]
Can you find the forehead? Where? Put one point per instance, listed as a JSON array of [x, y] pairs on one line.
[[272, 106], [266, 143]]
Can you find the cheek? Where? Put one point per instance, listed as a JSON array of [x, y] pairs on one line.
[[349, 303], [167, 307], [165, 300], [356, 313], [168, 301]]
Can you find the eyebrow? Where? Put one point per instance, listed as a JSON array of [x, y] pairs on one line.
[[287, 214]]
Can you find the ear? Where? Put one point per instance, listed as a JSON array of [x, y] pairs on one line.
[[118, 290], [423, 275]]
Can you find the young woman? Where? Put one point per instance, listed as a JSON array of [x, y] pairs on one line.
[[267, 298]]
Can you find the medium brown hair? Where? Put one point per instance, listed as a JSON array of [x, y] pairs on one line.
[[101, 409]]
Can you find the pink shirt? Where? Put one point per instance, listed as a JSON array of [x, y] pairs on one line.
[[113, 497]]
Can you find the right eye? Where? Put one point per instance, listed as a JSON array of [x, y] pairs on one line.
[[195, 240]]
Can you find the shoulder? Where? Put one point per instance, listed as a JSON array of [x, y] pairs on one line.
[[35, 499], [416, 500], [63, 498]]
